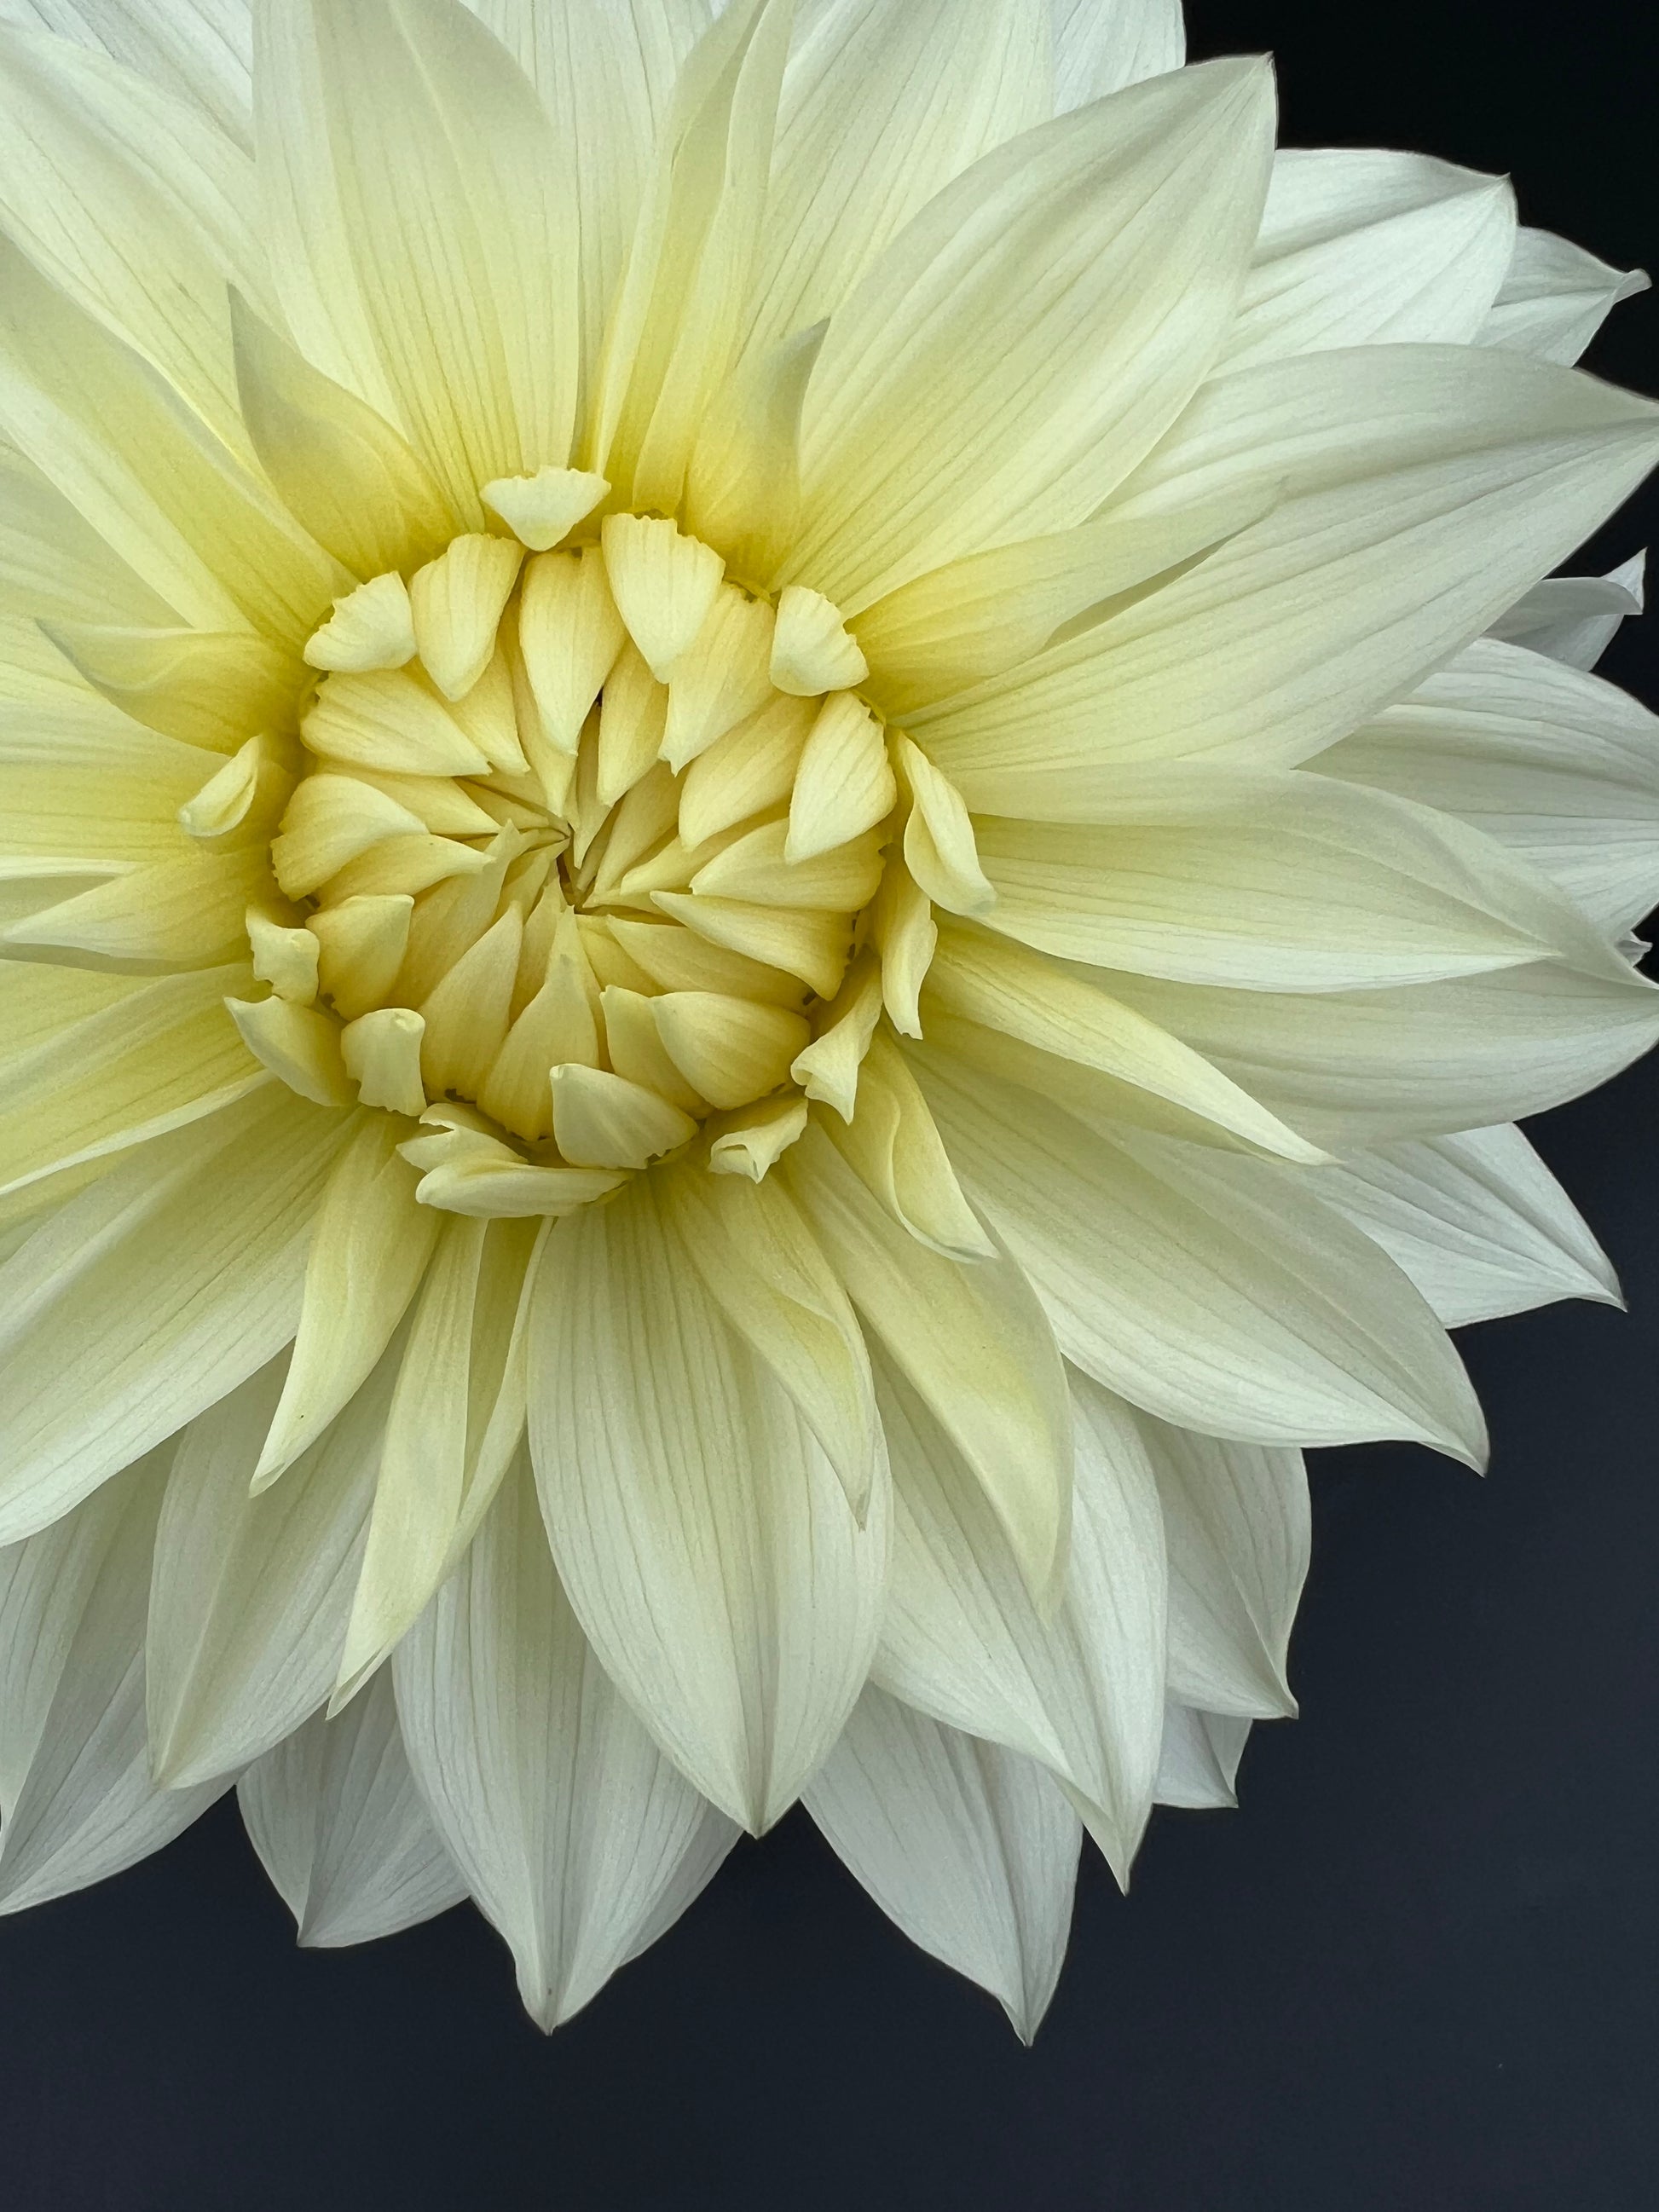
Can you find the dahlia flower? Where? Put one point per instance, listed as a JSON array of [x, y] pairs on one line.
[[788, 819]]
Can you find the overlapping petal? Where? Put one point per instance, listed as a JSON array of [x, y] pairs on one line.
[[788, 816]]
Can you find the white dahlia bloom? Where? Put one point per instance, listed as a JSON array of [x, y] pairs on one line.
[[786, 819]]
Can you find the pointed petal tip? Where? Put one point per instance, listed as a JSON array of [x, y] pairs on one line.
[[173, 1766]]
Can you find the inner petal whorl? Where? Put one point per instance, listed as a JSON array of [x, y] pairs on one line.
[[562, 869]]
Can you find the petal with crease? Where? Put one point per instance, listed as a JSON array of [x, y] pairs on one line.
[[340, 1828], [661, 1439], [76, 1793], [969, 1848], [575, 1835]]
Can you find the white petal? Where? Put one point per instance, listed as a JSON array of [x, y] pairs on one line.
[[676, 320], [1102, 45], [540, 510], [197, 49], [1476, 1221], [663, 582], [208, 687], [606, 74], [742, 1628], [456, 601], [341, 1830], [1362, 1066], [455, 1420], [135, 203], [1423, 489], [1363, 248], [1022, 344], [885, 102], [1266, 883], [743, 480], [1202, 1751], [252, 1592], [425, 236], [161, 1056], [775, 1286], [1235, 1302], [1575, 618], [1554, 298], [128, 453], [152, 1293], [1079, 1688], [994, 1004], [575, 1835], [53, 566], [1235, 1518], [75, 1792], [971, 620], [969, 1848], [352, 481], [970, 1339], [1558, 766], [368, 1252]]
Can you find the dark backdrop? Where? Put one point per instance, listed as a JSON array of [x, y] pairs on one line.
[[1417, 1969]]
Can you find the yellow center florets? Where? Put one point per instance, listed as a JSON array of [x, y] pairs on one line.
[[576, 856]]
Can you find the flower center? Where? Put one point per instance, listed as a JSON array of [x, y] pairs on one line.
[[575, 863]]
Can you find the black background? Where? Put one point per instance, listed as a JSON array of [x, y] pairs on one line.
[[1419, 1968]]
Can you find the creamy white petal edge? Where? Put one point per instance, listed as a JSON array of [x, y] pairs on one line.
[[491, 1540]]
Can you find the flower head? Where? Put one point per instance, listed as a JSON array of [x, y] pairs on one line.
[[786, 819]]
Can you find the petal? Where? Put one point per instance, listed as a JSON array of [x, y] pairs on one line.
[[606, 74], [677, 319], [54, 564], [209, 688], [1363, 248], [970, 620], [1079, 1688], [252, 1591], [456, 1419], [341, 470], [188, 911], [340, 1828], [1202, 1751], [74, 1781], [368, 1252], [1020, 346], [970, 1339], [1575, 618], [1554, 298], [994, 1004], [425, 236], [1424, 488], [198, 50], [80, 785], [158, 1058], [1234, 1303], [1558, 766], [129, 454], [775, 1286], [578, 1838], [1235, 1518], [1100, 45], [885, 101], [1270, 883], [151, 1294], [969, 1848], [134, 203], [1476, 1221], [741, 1629], [1361, 1066]]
